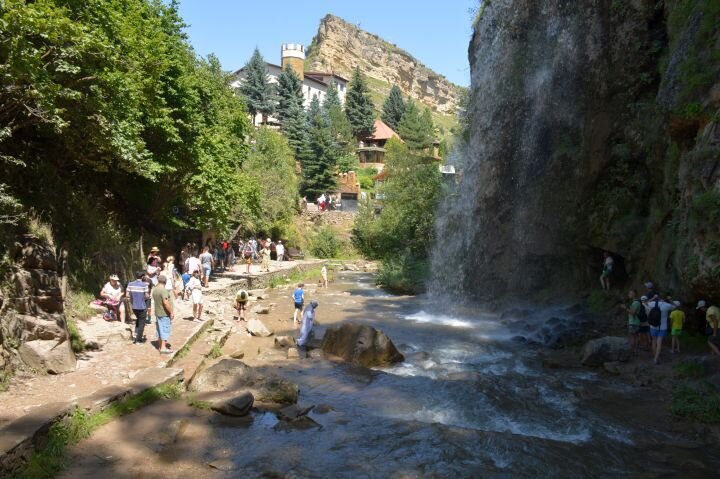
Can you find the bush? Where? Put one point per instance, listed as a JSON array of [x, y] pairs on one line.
[[699, 403], [600, 301], [404, 274], [325, 244]]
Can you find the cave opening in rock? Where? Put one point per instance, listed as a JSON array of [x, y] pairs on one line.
[[619, 275]]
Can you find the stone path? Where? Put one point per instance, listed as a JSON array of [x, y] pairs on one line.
[[32, 401]]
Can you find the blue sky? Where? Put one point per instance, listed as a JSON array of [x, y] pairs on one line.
[[435, 32]]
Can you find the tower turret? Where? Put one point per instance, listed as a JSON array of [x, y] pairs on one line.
[[293, 55]]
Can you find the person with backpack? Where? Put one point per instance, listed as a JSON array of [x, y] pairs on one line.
[[241, 299], [634, 320], [644, 339], [658, 320]]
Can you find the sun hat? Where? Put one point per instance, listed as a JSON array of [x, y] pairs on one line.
[[701, 304], [154, 249], [114, 277], [644, 298], [677, 303], [649, 285]]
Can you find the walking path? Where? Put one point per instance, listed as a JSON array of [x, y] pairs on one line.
[[119, 367]]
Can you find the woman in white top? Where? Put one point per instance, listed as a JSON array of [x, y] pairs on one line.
[[171, 275], [112, 294], [153, 270], [607, 270]]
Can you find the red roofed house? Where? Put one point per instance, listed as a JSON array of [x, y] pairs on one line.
[[371, 151]]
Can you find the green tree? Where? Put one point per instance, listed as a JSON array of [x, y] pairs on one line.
[[414, 128], [393, 108], [271, 164], [259, 93], [320, 164], [332, 98], [289, 90], [404, 231], [295, 129], [359, 107]]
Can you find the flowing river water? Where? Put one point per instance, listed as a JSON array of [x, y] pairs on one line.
[[469, 401]]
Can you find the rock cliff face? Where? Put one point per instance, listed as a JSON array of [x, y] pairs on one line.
[[592, 126], [340, 47], [33, 330]]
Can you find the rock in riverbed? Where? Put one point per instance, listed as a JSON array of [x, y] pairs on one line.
[[257, 328], [232, 374], [360, 344], [603, 350]]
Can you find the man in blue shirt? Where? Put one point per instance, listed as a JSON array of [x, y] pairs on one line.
[[298, 298], [139, 293]]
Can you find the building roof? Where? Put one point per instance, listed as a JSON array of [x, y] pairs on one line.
[[382, 131], [325, 74], [310, 78]]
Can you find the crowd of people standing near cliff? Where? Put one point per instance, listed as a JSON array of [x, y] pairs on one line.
[[159, 284], [652, 317]]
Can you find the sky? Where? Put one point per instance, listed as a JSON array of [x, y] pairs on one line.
[[435, 32]]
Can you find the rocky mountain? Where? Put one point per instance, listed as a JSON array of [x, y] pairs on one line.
[[592, 126], [340, 46]]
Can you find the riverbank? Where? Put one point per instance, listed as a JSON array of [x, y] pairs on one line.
[[114, 368]]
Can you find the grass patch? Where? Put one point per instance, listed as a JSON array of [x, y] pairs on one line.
[[50, 460], [700, 403], [198, 404], [690, 369], [403, 275], [77, 305], [215, 351], [183, 352], [298, 276]]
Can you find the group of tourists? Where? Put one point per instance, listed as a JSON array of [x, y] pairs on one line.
[[327, 202], [156, 288], [652, 317]]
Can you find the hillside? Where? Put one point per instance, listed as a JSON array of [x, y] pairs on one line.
[[340, 46]]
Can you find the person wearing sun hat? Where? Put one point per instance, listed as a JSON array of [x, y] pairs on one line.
[[154, 253], [112, 294]]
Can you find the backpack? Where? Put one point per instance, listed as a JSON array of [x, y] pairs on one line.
[[642, 314], [655, 316]]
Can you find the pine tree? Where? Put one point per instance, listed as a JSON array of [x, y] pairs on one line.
[[315, 115], [289, 90], [359, 107], [332, 98], [320, 165], [393, 108], [259, 93], [295, 126], [414, 128]]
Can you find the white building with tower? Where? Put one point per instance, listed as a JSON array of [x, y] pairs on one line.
[[315, 84]]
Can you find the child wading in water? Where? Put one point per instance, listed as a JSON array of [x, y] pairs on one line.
[[298, 298], [677, 320]]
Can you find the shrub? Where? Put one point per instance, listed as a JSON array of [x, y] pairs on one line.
[[699, 403], [404, 274], [600, 301], [325, 244]]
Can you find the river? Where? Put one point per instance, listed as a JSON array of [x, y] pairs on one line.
[[469, 401]]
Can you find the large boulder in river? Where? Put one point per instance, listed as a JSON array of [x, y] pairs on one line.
[[257, 328], [360, 344], [599, 351], [232, 375]]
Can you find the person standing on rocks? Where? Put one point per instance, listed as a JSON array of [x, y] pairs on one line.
[[280, 251], [265, 253], [677, 320], [163, 314], [308, 321], [194, 286], [298, 298], [324, 275], [241, 299], [139, 294], [712, 316], [634, 320], [658, 319], [247, 253], [606, 270], [207, 261]]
